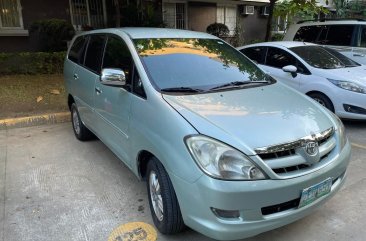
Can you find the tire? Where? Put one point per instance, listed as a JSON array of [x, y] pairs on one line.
[[80, 130], [322, 100], [168, 219]]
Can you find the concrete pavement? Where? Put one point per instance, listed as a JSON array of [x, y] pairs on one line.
[[53, 187]]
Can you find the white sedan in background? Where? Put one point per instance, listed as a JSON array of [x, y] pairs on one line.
[[327, 76]]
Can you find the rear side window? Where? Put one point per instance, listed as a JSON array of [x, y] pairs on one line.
[[255, 53], [94, 53], [363, 37], [76, 53], [308, 33], [337, 35]]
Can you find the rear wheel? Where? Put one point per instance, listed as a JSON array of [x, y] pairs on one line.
[[323, 100], [80, 130], [163, 201]]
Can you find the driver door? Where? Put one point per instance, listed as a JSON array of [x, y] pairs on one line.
[[278, 58], [113, 104]]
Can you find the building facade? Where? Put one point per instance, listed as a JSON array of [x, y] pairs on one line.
[[245, 19]]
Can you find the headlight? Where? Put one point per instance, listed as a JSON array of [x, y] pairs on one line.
[[341, 132], [222, 161], [347, 85]]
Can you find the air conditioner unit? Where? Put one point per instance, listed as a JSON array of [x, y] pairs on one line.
[[265, 11], [248, 10]]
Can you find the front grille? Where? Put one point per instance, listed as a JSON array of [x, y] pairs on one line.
[[289, 158]]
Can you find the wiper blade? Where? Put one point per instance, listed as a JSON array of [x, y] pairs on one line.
[[238, 84], [182, 89]]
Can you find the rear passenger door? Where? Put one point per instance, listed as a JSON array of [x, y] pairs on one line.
[[85, 76], [113, 104]]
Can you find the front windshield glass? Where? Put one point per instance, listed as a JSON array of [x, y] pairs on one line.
[[323, 58], [198, 64]]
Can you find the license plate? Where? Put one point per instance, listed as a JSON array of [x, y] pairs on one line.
[[312, 193]]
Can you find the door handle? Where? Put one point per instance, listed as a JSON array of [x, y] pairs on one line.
[[99, 91], [359, 55], [76, 77]]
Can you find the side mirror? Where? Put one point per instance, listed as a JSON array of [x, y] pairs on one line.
[[290, 69], [113, 77]]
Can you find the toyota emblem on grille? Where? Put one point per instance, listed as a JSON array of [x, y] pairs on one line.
[[311, 148]]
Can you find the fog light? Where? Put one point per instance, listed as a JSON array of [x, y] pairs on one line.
[[226, 213], [354, 109]]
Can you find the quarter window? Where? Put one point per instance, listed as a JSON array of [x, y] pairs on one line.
[[256, 54], [10, 14], [94, 53], [77, 50]]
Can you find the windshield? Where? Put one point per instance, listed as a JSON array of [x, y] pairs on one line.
[[323, 58], [196, 65]]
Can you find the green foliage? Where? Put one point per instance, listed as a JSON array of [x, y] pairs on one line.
[[218, 29], [277, 37], [350, 9], [52, 34], [298, 9], [31, 63], [136, 15]]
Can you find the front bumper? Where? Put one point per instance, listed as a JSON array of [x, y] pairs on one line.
[[249, 197], [345, 97]]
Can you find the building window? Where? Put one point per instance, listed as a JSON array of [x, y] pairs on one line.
[[174, 15], [88, 13], [227, 16], [10, 14], [279, 24]]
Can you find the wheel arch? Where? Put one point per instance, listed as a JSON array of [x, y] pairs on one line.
[[70, 101], [143, 158]]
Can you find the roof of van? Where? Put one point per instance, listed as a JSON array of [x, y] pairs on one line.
[[143, 32]]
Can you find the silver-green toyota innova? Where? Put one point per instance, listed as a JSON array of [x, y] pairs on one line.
[[224, 148]]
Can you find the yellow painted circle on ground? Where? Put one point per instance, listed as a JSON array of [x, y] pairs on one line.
[[135, 231]]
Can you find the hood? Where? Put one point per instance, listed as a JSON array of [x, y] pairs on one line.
[[253, 117], [354, 74]]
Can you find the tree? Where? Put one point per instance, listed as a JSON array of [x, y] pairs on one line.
[[293, 9]]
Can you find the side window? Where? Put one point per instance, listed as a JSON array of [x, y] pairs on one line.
[[308, 33], [118, 56], [94, 53], [363, 37], [77, 50], [255, 53], [337, 35], [279, 58]]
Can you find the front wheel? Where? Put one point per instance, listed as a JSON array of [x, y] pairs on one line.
[[163, 201], [323, 100]]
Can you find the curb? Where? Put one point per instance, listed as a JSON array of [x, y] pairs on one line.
[[36, 120]]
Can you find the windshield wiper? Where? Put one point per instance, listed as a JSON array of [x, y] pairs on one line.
[[238, 84], [182, 89]]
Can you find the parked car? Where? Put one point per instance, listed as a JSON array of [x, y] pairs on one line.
[[324, 74], [224, 148], [346, 36]]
